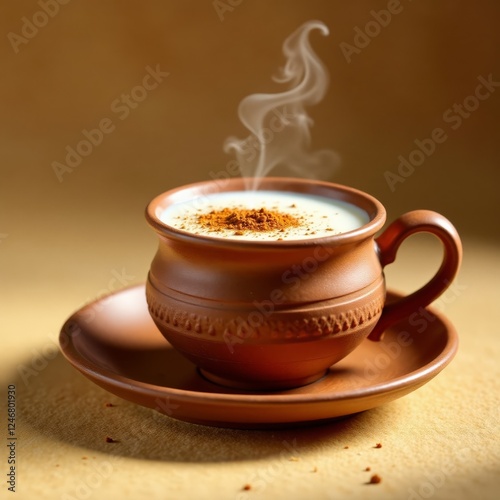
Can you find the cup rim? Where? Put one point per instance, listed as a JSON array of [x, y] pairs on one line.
[[374, 209]]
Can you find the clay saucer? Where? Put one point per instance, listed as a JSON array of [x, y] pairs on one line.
[[114, 343]]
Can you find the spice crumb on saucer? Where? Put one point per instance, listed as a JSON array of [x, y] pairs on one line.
[[375, 479], [109, 405], [378, 445], [111, 440], [247, 487], [346, 447], [368, 469]]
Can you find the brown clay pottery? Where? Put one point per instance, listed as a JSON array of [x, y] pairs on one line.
[[277, 314]]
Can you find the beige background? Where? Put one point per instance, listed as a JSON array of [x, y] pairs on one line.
[[63, 243]]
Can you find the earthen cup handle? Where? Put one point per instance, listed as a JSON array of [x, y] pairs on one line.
[[388, 244]]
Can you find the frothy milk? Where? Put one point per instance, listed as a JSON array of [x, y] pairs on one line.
[[317, 216]]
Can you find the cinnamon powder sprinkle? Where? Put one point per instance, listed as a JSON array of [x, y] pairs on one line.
[[246, 219]]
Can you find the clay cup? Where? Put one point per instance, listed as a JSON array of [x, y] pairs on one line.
[[233, 309]]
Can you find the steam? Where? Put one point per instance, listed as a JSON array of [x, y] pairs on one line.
[[278, 123]]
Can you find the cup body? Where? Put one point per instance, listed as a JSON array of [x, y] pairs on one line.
[[266, 314]]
